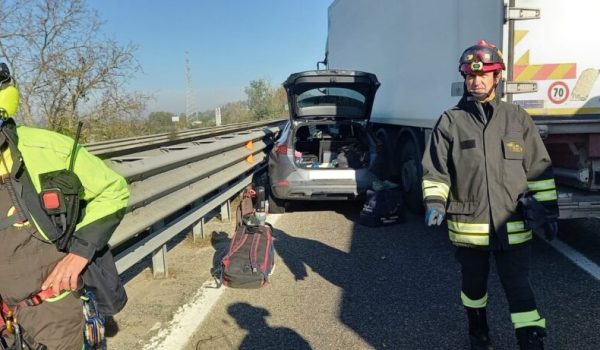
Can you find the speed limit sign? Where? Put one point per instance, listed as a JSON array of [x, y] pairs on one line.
[[558, 92]]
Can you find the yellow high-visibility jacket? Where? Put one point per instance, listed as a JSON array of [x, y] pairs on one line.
[[479, 159], [105, 192]]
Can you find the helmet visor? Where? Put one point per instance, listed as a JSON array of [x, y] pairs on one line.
[[481, 54]]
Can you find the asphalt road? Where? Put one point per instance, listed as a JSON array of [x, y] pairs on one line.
[[339, 285]]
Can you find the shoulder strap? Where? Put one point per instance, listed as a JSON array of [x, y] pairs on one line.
[[9, 221], [26, 199]]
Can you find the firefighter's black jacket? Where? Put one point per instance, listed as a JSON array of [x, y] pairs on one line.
[[479, 159]]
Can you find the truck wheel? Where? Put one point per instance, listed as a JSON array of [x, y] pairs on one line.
[[411, 173], [382, 169], [276, 206]]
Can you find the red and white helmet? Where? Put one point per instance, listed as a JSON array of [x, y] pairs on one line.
[[481, 57]]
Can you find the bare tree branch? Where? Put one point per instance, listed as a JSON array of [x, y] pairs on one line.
[[63, 67]]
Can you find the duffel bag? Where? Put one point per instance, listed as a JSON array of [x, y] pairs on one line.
[[382, 207], [250, 258]]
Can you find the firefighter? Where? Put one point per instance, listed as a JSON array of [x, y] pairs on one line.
[[484, 155], [39, 307]]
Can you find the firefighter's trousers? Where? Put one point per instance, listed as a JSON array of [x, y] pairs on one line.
[[513, 268]]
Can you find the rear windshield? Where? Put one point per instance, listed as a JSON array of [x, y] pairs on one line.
[[331, 101]]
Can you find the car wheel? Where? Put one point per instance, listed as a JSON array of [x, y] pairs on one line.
[[276, 206]]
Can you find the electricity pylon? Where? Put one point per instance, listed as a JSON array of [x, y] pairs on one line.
[[189, 92]]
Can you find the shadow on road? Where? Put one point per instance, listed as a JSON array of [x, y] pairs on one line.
[[400, 285], [253, 320], [220, 242], [394, 296]]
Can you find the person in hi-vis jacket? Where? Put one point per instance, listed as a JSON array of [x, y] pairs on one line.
[[483, 157], [38, 281]]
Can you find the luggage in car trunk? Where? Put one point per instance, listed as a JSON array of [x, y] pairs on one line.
[[319, 149]]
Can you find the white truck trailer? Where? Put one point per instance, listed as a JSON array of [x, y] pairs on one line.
[[552, 55]]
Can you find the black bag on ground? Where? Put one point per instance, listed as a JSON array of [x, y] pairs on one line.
[[382, 207], [250, 258]]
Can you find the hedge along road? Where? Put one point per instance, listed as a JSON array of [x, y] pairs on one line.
[[338, 284]]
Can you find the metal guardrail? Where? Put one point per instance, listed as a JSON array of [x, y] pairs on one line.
[[131, 145], [174, 184]]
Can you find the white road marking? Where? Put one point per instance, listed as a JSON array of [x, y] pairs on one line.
[[187, 319], [191, 315], [576, 257]]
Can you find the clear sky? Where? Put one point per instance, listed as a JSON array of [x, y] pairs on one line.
[[229, 43]]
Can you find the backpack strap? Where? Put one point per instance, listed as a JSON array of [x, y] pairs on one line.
[[254, 251], [9, 221], [26, 199]]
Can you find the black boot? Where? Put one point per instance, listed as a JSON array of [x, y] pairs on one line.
[[478, 329], [531, 338]]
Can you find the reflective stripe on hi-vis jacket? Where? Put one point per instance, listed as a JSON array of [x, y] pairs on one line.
[[517, 232], [435, 188], [478, 234], [469, 233], [545, 190]]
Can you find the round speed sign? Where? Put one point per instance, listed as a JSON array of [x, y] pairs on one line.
[[558, 92]]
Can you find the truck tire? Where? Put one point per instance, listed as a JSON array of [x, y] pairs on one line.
[[411, 173]]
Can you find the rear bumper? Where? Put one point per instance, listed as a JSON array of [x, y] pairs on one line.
[[575, 203], [318, 190]]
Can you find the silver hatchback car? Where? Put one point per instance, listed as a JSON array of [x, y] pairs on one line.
[[325, 151]]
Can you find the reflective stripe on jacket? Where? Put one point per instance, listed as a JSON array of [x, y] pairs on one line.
[[478, 169]]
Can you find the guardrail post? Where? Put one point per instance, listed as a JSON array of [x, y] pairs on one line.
[[198, 231], [159, 263], [226, 211], [159, 257]]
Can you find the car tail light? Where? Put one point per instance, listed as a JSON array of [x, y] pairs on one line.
[[282, 183], [281, 149]]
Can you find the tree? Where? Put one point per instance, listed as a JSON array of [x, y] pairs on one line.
[[235, 112], [263, 101], [279, 103], [63, 68], [259, 93], [160, 122], [117, 115]]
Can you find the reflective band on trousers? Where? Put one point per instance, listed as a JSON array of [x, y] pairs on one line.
[[477, 304], [546, 196], [527, 319], [541, 185], [434, 188]]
